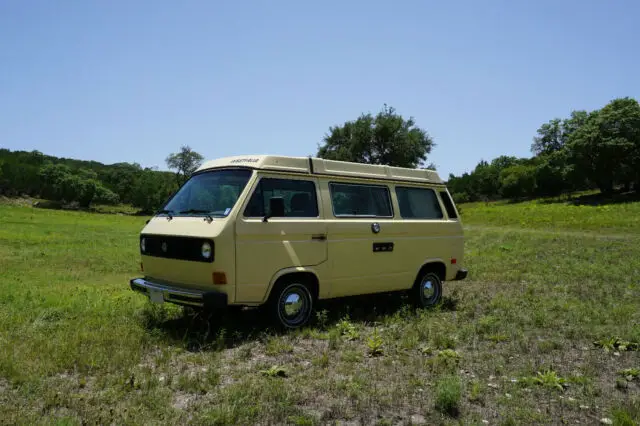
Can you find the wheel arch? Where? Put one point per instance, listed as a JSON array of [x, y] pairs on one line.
[[433, 265], [306, 276]]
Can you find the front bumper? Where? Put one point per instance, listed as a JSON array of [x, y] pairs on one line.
[[461, 274], [159, 293]]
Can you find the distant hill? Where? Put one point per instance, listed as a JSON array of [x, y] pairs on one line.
[[36, 174]]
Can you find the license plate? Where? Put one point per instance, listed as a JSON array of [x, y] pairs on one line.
[[156, 296]]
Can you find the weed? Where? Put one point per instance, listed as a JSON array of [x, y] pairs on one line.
[[622, 384], [498, 338], [426, 350], [244, 353], [548, 379], [334, 339], [277, 345], [274, 371], [323, 319], [627, 414], [476, 393], [375, 344], [630, 373], [351, 356], [196, 382], [221, 341], [448, 393], [300, 420], [322, 361], [617, 344], [348, 330]]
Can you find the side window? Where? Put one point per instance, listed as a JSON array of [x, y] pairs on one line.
[[418, 203], [448, 204], [299, 197], [360, 200]]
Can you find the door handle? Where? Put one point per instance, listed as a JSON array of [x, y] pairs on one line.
[[319, 237]]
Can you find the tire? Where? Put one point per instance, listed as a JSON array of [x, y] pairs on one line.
[[427, 290], [291, 305]]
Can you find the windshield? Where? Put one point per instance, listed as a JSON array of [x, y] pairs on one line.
[[211, 193]]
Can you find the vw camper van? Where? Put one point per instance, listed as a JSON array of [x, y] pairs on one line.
[[285, 232]]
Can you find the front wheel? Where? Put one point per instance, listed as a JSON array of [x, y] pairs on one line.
[[292, 305], [427, 290]]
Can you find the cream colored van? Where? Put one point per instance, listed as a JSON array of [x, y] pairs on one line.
[[284, 232]]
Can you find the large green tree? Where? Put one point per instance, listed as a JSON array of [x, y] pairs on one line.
[[386, 138], [606, 148], [184, 162], [553, 135]]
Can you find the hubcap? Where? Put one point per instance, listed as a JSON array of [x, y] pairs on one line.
[[293, 305], [428, 289]]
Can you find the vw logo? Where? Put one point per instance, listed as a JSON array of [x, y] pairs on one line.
[[164, 247], [375, 227]]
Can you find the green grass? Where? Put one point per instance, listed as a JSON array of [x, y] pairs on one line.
[[556, 216], [535, 335]]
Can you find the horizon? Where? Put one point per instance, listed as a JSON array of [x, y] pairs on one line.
[[131, 83]]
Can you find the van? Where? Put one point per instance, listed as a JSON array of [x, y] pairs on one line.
[[285, 232]]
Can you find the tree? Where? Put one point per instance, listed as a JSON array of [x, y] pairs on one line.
[[386, 139], [150, 191], [606, 148], [518, 181], [553, 136], [184, 162]]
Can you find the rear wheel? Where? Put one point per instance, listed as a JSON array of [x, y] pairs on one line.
[[427, 290], [291, 304]]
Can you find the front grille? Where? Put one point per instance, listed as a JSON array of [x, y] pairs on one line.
[[172, 247]]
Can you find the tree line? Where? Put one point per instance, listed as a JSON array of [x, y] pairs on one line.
[[597, 149], [83, 182]]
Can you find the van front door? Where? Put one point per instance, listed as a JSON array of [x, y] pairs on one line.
[[293, 238]]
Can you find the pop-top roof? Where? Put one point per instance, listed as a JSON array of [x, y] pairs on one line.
[[321, 166]]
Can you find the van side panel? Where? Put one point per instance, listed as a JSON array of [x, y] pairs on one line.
[[362, 261]]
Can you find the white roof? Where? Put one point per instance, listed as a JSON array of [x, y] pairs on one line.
[[321, 166]]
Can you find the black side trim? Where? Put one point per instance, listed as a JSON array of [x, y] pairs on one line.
[[461, 275]]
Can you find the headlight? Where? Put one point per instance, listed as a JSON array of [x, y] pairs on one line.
[[206, 250], [143, 245]]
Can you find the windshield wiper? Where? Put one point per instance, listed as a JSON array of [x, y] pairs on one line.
[[207, 213], [169, 213]]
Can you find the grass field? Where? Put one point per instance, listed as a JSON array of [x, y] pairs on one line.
[[513, 344]]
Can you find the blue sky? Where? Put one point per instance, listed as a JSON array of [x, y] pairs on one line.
[[132, 81]]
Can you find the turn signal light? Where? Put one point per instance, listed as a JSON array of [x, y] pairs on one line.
[[454, 261], [219, 278]]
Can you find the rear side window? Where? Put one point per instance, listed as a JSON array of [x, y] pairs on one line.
[[448, 204], [418, 203], [299, 197], [354, 200]]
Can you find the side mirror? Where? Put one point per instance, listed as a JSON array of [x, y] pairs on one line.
[[276, 208]]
